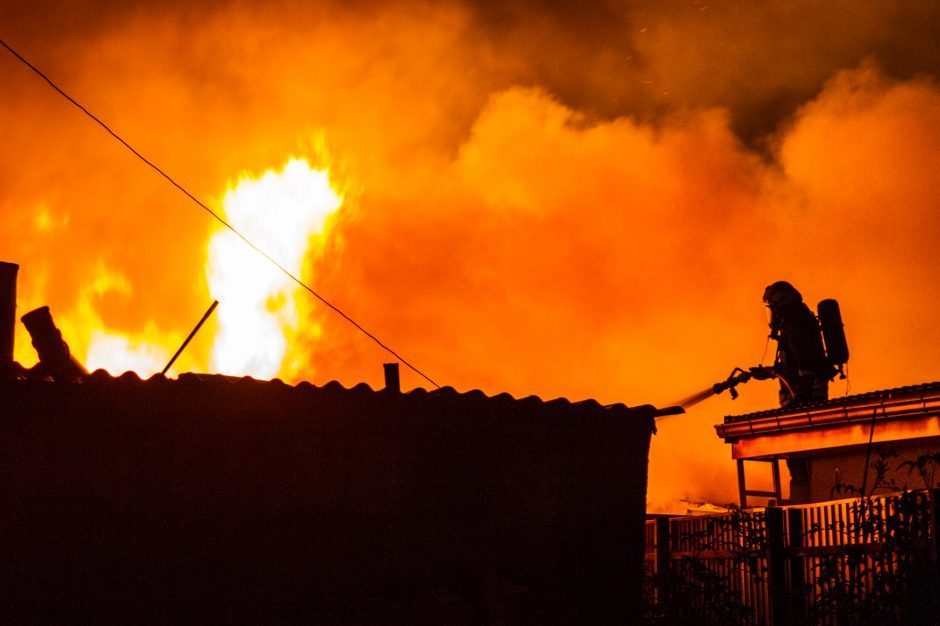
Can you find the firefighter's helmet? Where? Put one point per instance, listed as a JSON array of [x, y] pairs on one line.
[[781, 293]]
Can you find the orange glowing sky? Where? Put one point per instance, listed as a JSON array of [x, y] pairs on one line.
[[580, 202]]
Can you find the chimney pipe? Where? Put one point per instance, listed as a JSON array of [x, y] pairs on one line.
[[7, 312], [392, 381], [54, 357]]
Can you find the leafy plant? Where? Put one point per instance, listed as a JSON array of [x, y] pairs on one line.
[[926, 467], [883, 570]]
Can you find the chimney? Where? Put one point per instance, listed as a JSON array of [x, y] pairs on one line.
[[7, 312], [392, 381], [54, 357]]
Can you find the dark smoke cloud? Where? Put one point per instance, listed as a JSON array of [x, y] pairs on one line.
[[609, 59], [759, 60]]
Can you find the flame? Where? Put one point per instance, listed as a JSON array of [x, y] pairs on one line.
[[94, 340], [118, 353], [145, 352], [283, 213]]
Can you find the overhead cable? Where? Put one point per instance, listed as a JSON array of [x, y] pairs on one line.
[[215, 215]]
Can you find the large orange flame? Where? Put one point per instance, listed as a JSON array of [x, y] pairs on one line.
[[144, 352], [285, 213]]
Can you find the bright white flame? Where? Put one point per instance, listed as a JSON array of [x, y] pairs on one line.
[[118, 354], [280, 212]]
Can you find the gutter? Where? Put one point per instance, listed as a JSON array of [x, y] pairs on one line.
[[923, 403]]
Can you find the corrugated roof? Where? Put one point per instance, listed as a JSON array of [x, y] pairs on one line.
[[861, 398], [213, 499], [336, 389]]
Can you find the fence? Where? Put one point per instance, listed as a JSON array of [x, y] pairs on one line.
[[856, 561]]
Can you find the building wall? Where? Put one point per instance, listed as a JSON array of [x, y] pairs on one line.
[[211, 501], [851, 466]]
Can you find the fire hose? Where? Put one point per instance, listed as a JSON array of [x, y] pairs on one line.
[[735, 378], [739, 376]]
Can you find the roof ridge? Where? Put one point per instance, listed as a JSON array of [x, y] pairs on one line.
[[102, 376]]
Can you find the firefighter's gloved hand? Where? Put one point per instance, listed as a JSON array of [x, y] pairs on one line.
[[762, 373]]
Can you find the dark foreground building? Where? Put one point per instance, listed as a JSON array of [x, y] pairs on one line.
[[218, 500]]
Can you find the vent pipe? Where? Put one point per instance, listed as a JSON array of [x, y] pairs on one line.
[[7, 313], [392, 380], [54, 357]]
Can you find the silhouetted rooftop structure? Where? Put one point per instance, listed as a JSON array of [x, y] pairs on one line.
[[210, 498]]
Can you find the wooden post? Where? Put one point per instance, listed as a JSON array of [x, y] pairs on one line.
[[7, 312], [934, 572], [775, 468], [777, 567], [663, 564], [742, 490], [797, 579]]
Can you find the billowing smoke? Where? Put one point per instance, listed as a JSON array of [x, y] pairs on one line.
[[536, 200]]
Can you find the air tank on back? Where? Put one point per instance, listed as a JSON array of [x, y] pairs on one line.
[[833, 331]]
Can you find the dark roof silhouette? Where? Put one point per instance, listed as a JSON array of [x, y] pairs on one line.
[[336, 389], [217, 499]]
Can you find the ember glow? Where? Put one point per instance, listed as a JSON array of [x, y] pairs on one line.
[[564, 199]]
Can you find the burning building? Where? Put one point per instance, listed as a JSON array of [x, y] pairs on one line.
[[212, 498]]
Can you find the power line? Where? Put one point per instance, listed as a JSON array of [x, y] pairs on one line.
[[203, 206]]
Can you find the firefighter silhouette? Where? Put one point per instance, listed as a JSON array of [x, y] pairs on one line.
[[801, 361]]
